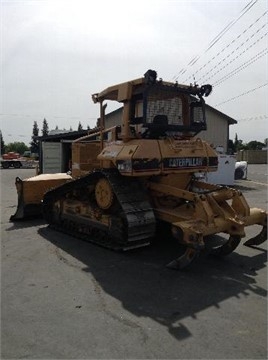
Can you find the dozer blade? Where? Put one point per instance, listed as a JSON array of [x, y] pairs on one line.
[[25, 211], [31, 192]]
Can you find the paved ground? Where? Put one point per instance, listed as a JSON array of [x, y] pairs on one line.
[[64, 298]]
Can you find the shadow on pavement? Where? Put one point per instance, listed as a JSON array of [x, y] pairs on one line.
[[146, 288], [22, 224], [244, 187]]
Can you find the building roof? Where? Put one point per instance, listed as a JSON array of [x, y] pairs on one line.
[[230, 120], [58, 131], [67, 135]]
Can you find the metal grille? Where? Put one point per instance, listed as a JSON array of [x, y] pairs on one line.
[[198, 115], [164, 103]]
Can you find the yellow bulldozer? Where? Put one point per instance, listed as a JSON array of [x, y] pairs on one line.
[[132, 178]]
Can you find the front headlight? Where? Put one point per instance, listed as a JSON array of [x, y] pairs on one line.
[[124, 165]]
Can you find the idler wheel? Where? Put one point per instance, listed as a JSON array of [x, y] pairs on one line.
[[104, 194]]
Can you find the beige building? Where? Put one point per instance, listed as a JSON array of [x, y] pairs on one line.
[[217, 132]]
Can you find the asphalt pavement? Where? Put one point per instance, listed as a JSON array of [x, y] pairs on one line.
[[63, 298]]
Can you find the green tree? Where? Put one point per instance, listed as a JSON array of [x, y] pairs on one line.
[[236, 139], [34, 144], [18, 147], [80, 127], [255, 145], [2, 143], [239, 145], [45, 128], [231, 147]]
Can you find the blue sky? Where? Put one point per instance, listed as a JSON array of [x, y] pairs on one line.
[[55, 54]]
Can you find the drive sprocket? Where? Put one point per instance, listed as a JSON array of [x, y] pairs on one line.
[[104, 194]]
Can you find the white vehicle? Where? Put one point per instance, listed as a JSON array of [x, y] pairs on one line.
[[241, 170], [228, 171]]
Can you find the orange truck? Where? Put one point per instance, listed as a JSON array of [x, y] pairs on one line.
[[15, 160], [11, 155], [10, 159]]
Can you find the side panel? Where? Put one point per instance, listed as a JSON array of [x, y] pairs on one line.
[[84, 157]]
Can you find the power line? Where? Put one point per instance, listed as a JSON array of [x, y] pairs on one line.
[[231, 61], [247, 8], [245, 93], [259, 117], [241, 67], [235, 50], [217, 38], [227, 46]]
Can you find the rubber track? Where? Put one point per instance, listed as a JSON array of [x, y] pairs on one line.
[[139, 216]]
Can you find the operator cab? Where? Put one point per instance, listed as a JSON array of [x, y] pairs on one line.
[[167, 109], [156, 108]]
